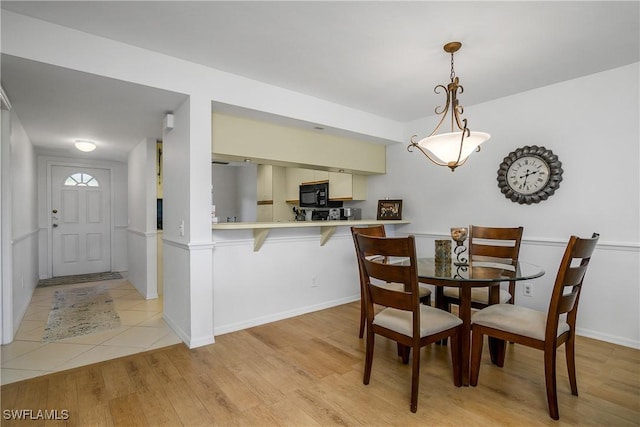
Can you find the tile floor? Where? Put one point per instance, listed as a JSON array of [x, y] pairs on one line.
[[142, 328]]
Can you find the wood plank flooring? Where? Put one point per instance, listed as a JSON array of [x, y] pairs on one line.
[[307, 371]]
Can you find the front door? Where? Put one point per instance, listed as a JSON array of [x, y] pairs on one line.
[[80, 220]]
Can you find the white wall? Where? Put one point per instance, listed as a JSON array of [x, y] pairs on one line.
[[290, 275], [188, 288], [23, 197], [591, 123], [142, 233]]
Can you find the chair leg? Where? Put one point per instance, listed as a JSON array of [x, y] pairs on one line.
[[368, 360], [363, 318], [571, 363], [476, 356], [363, 312], [415, 378], [426, 300], [550, 380], [456, 361], [497, 350], [403, 352]]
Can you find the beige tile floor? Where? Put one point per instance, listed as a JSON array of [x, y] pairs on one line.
[[142, 328]]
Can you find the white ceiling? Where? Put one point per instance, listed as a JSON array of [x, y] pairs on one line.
[[381, 57]]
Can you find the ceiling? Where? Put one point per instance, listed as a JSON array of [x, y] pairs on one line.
[[382, 57]]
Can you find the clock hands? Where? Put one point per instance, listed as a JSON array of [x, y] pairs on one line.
[[526, 175]]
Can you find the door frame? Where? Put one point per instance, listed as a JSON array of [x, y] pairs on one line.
[[6, 218], [46, 216]]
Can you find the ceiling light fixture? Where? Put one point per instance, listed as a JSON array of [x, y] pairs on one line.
[[453, 148], [85, 146]]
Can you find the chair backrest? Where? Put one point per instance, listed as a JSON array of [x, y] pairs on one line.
[[495, 242], [568, 284], [372, 252], [375, 230]]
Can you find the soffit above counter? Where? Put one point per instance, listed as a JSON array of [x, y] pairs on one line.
[[237, 138]]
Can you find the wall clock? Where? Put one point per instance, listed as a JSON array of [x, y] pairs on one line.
[[529, 174]]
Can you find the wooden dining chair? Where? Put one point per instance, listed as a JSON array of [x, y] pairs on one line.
[[532, 328], [379, 231], [403, 319], [500, 245]]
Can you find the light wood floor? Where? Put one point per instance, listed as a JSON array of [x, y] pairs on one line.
[[307, 371]]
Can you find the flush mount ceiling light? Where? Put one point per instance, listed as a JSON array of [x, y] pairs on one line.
[[85, 146], [453, 148]]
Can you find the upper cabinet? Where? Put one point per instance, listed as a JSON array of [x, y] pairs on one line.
[[342, 186], [272, 205], [345, 186]]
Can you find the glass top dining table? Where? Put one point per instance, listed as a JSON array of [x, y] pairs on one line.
[[479, 272]]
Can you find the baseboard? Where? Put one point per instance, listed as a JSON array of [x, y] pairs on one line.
[[608, 338], [225, 329], [190, 342]]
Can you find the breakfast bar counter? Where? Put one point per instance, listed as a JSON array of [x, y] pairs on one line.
[[327, 228]]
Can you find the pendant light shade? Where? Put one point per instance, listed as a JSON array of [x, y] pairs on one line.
[[445, 147]]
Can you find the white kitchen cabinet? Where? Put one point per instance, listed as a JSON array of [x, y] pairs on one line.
[[272, 205], [296, 176], [342, 186], [345, 186], [264, 213], [265, 183]]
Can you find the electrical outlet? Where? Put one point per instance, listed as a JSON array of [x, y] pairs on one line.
[[527, 290], [314, 282]]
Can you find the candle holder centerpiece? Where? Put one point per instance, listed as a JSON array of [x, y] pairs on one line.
[[459, 234]]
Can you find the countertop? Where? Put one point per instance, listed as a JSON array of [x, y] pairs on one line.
[[327, 228]]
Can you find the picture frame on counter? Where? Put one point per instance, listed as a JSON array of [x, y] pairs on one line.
[[389, 209]]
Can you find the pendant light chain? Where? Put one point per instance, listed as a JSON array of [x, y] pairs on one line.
[[453, 73]]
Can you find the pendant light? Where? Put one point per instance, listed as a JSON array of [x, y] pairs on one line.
[[452, 148]]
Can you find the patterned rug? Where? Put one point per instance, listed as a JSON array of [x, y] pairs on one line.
[[79, 278], [80, 311]]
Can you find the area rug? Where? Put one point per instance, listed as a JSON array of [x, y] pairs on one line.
[[79, 278], [80, 311]]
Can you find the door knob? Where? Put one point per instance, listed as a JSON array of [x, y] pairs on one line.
[[54, 225], [55, 211]]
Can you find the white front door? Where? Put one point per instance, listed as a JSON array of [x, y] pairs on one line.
[[80, 220]]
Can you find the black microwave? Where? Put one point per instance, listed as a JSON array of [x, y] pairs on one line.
[[314, 195]]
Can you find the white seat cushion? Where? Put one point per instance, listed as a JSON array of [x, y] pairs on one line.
[[480, 295], [423, 291], [432, 320], [516, 319]]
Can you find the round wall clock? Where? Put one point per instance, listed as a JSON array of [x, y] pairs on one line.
[[529, 174]]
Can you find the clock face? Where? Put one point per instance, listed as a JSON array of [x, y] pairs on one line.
[[529, 174]]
